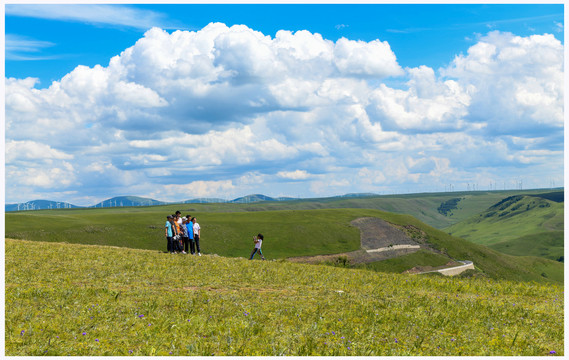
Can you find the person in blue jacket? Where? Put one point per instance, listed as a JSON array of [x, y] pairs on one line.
[[190, 227], [169, 234]]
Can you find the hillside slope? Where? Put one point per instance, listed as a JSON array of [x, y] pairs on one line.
[[37, 205], [77, 300], [427, 207], [121, 201], [518, 225], [287, 234], [492, 263]]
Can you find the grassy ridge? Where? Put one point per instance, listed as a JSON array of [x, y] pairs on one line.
[[493, 263], [522, 225], [422, 206], [549, 245], [64, 299], [288, 233]]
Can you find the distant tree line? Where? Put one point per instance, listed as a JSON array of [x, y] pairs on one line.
[[448, 206]]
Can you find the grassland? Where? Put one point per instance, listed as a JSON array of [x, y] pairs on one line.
[[69, 299], [423, 206], [288, 233], [549, 245], [227, 234], [520, 225]]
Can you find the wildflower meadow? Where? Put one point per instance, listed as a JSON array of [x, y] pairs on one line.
[[69, 299]]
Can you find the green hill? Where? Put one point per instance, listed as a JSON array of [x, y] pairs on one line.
[[288, 233], [77, 300], [38, 205], [549, 245], [426, 207], [128, 201], [518, 225]]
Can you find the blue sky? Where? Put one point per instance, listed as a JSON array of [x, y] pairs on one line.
[[419, 34], [285, 100]]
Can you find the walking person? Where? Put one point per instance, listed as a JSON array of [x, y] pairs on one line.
[[169, 234], [197, 232], [258, 240], [190, 228]]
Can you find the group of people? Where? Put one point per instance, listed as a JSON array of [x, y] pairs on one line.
[[182, 234]]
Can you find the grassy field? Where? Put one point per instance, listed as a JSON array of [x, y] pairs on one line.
[[423, 206], [69, 299], [229, 234], [288, 233], [524, 225], [549, 245]]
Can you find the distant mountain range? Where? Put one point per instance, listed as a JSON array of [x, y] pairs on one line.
[[122, 201], [39, 205], [258, 198]]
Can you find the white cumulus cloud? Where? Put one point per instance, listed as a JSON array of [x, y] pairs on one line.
[[294, 175], [517, 82], [226, 110]]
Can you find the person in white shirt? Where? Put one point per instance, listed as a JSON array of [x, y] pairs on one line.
[[197, 233], [258, 240]]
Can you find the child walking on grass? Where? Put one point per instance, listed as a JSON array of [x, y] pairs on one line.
[[258, 240]]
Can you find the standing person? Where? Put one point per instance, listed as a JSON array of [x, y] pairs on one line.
[[184, 236], [176, 232], [169, 234], [179, 217], [190, 228], [258, 240], [197, 232]]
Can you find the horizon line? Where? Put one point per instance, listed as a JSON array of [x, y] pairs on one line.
[[275, 198]]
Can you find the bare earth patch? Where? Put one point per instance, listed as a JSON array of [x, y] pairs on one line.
[[375, 234]]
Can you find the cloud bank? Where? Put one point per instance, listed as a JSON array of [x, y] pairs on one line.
[[228, 111]]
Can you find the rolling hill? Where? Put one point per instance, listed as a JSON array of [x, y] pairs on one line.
[[426, 207], [439, 210], [38, 205], [121, 201], [253, 198], [288, 233], [518, 232], [519, 225]]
